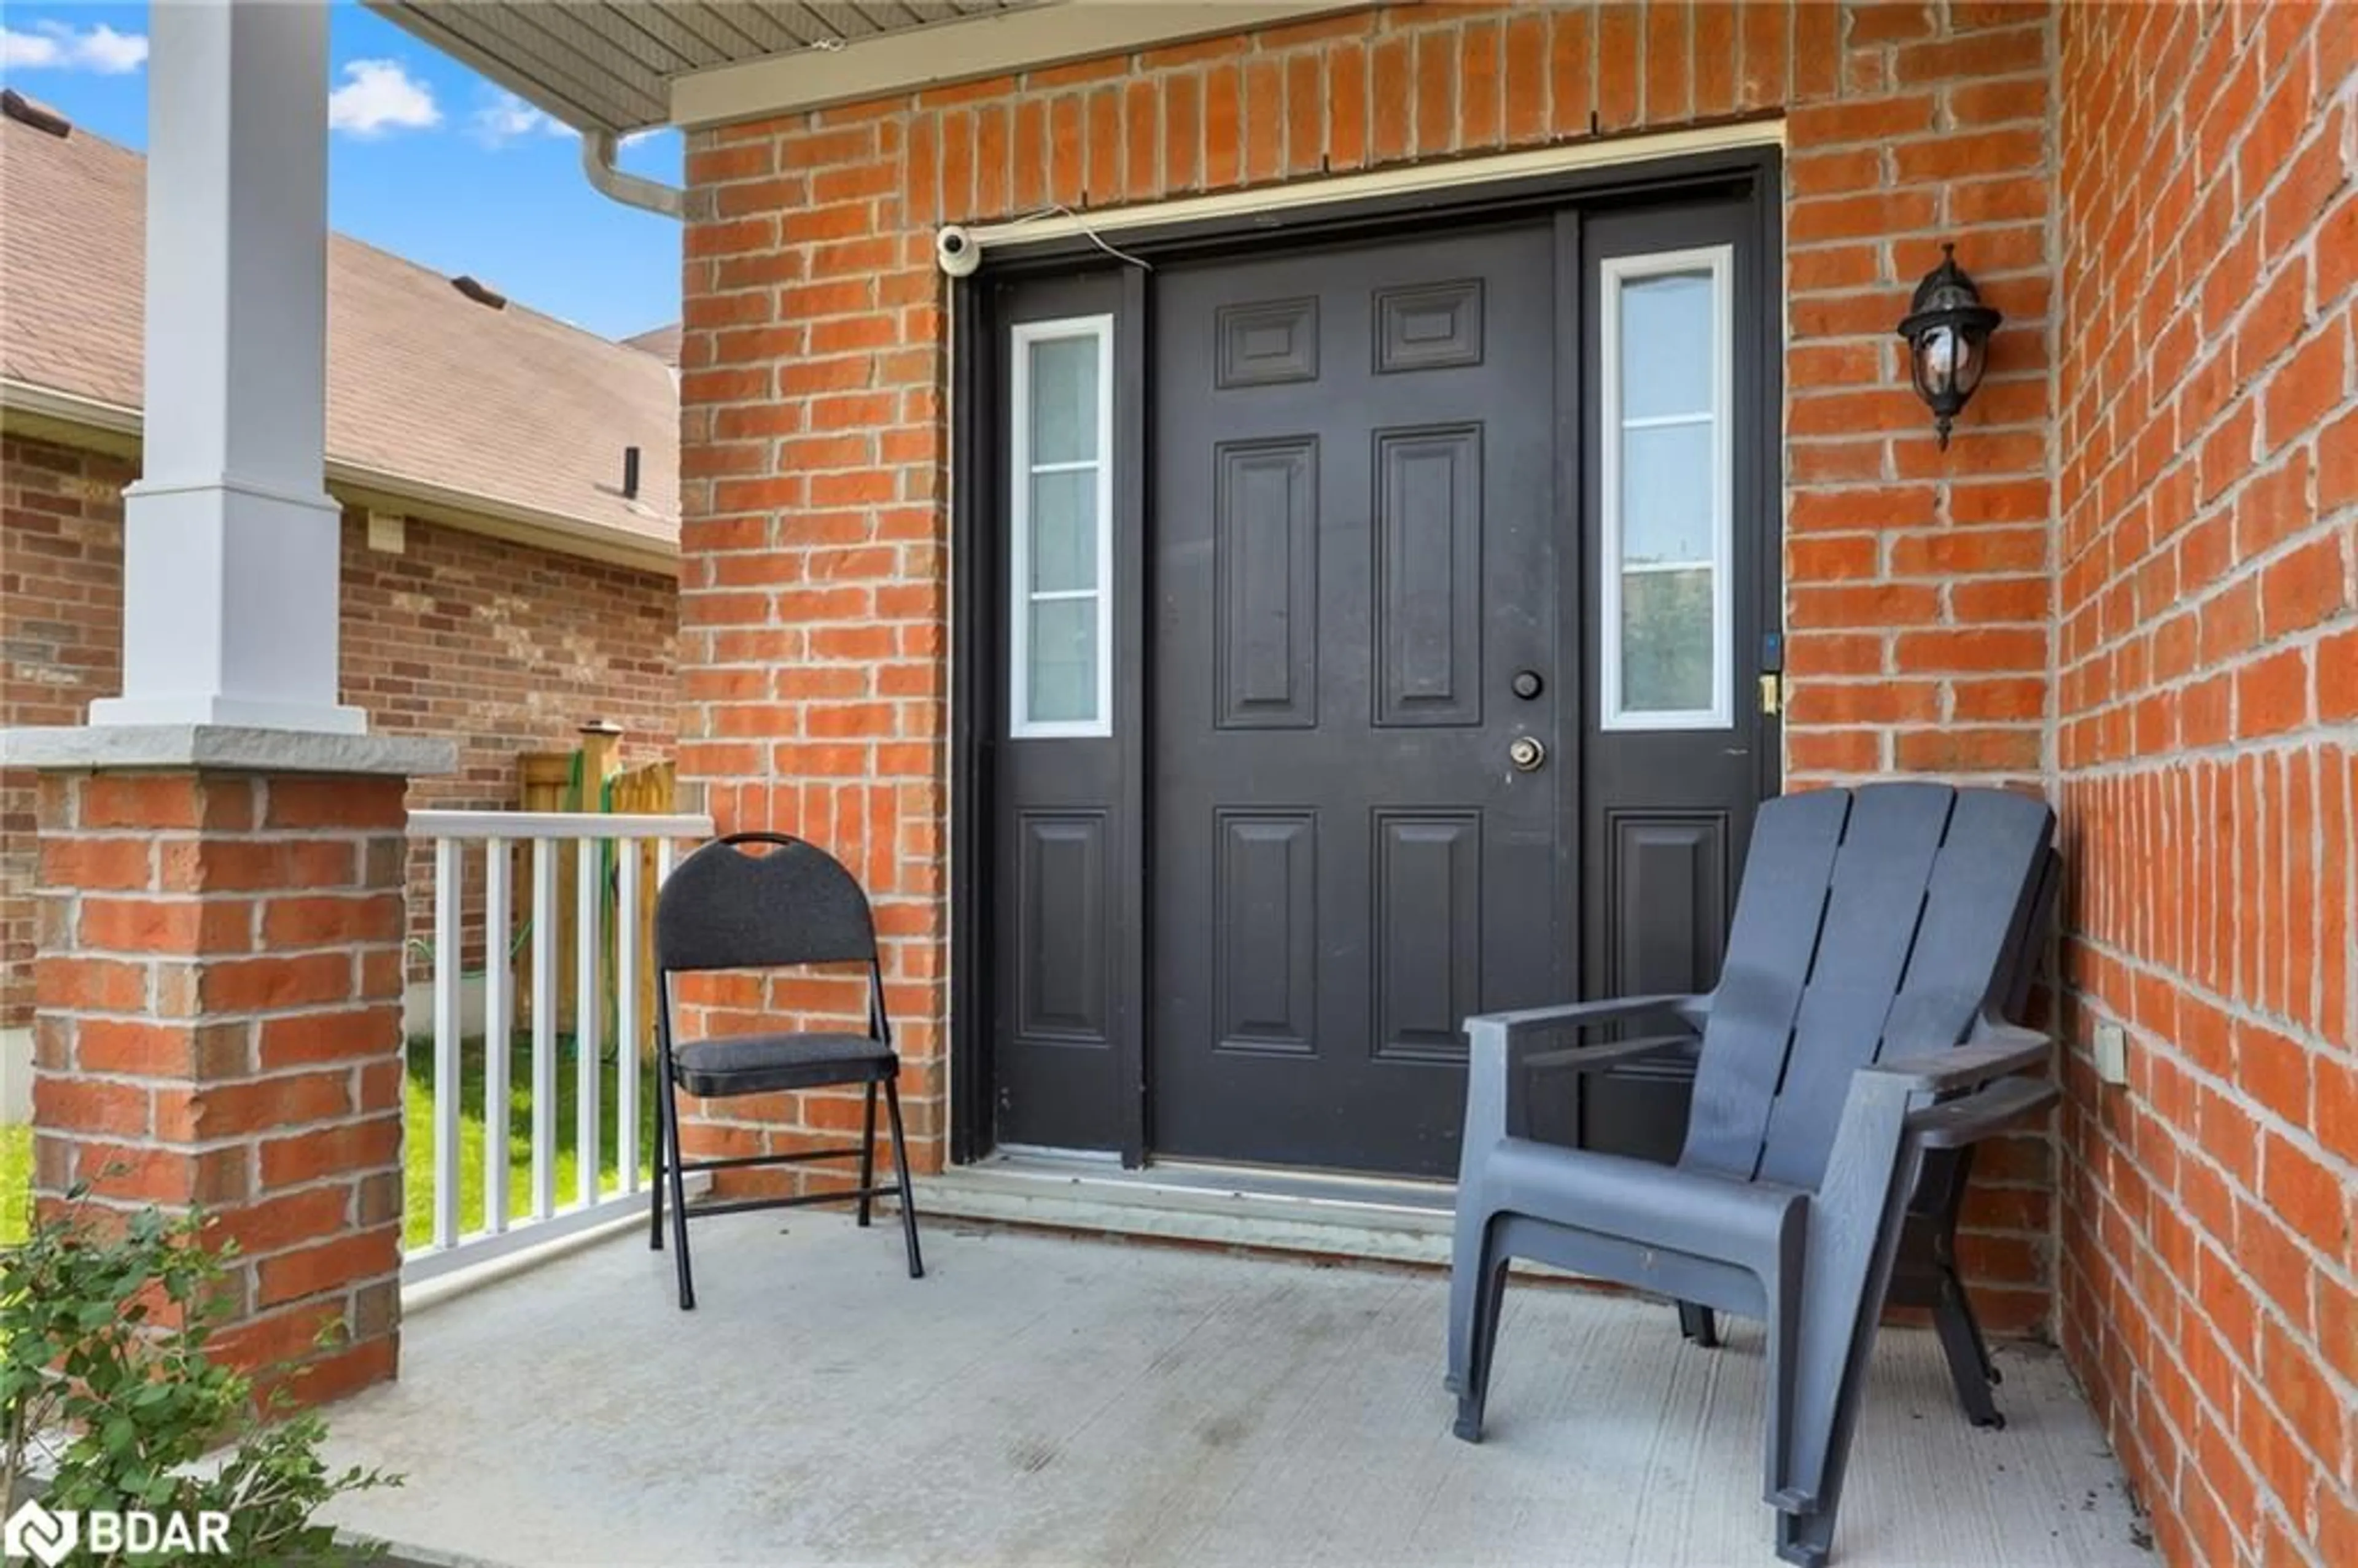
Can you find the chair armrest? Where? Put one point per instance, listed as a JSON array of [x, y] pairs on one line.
[[1995, 1050], [1608, 1054], [1992, 1108], [1580, 1014], [1491, 1039]]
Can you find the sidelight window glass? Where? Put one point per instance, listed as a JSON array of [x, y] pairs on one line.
[[1666, 446], [1061, 512]]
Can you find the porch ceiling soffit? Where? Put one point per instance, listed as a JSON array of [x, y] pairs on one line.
[[632, 65]]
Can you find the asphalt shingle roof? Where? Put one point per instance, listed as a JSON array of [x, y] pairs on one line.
[[424, 385]]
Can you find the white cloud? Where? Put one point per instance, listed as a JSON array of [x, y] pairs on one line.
[[504, 117], [25, 51], [59, 46], [379, 95]]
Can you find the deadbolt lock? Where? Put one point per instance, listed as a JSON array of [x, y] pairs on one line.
[[1772, 694], [1527, 752]]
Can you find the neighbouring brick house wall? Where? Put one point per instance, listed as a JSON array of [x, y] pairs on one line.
[[501, 646], [60, 645], [504, 648], [2207, 748], [815, 574]]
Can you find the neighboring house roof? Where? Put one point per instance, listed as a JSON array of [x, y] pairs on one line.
[[432, 396], [661, 342]]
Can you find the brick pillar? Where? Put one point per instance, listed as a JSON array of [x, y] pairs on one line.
[[218, 1024]]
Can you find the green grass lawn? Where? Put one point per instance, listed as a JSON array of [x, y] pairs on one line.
[[16, 1142], [418, 1229], [15, 1183]]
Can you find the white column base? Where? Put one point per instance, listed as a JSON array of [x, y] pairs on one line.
[[216, 711], [231, 609]]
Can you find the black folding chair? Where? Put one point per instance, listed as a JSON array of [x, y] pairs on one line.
[[725, 909]]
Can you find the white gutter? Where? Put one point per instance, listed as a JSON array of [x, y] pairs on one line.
[[597, 152], [69, 406], [474, 514]]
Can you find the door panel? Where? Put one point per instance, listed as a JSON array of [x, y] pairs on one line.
[[1265, 929], [1061, 925], [1428, 933], [1353, 553], [1265, 542], [1671, 564], [1428, 632], [1062, 768]]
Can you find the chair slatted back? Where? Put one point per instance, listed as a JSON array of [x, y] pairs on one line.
[[1875, 921], [2034, 937], [724, 909], [1769, 945]]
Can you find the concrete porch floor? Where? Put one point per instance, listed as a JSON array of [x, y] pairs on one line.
[[1040, 1400]]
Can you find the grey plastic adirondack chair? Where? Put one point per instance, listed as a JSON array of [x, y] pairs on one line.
[[1854, 1041]]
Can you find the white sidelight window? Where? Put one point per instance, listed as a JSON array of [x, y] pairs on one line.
[[1060, 620], [1667, 491]]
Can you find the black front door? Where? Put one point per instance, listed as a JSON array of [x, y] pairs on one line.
[[1377, 628], [1358, 837]]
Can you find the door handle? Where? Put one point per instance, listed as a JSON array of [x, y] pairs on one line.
[[1528, 752]]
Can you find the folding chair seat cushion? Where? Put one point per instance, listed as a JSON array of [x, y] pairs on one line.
[[759, 1063]]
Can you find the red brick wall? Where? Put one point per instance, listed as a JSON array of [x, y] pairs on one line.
[[501, 647], [814, 575], [60, 645], [220, 1025], [2207, 745]]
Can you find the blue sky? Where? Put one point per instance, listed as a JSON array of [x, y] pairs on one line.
[[427, 159]]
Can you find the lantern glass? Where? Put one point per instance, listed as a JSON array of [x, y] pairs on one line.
[[1949, 363]]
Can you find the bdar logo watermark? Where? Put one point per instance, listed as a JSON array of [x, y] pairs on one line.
[[34, 1531], [47, 1536]]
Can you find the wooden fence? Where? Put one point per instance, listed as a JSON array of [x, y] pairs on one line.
[[592, 780]]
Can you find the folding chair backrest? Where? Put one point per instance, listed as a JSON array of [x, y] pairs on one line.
[[1871, 921], [724, 909]]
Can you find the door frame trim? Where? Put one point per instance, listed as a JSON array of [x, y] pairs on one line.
[[1482, 188], [1437, 180]]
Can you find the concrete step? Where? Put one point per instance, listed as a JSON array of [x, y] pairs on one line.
[[1385, 1221]]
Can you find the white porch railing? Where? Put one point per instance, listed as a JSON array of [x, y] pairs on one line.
[[457, 836]]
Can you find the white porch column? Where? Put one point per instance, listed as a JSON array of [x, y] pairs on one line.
[[230, 538]]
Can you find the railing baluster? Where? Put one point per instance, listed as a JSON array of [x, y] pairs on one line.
[[626, 1019], [588, 1004], [498, 991], [449, 892], [456, 1239], [665, 851], [544, 1028]]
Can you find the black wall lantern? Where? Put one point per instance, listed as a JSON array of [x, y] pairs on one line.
[[1948, 330]]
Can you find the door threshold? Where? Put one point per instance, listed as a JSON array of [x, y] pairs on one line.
[[1375, 1218]]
